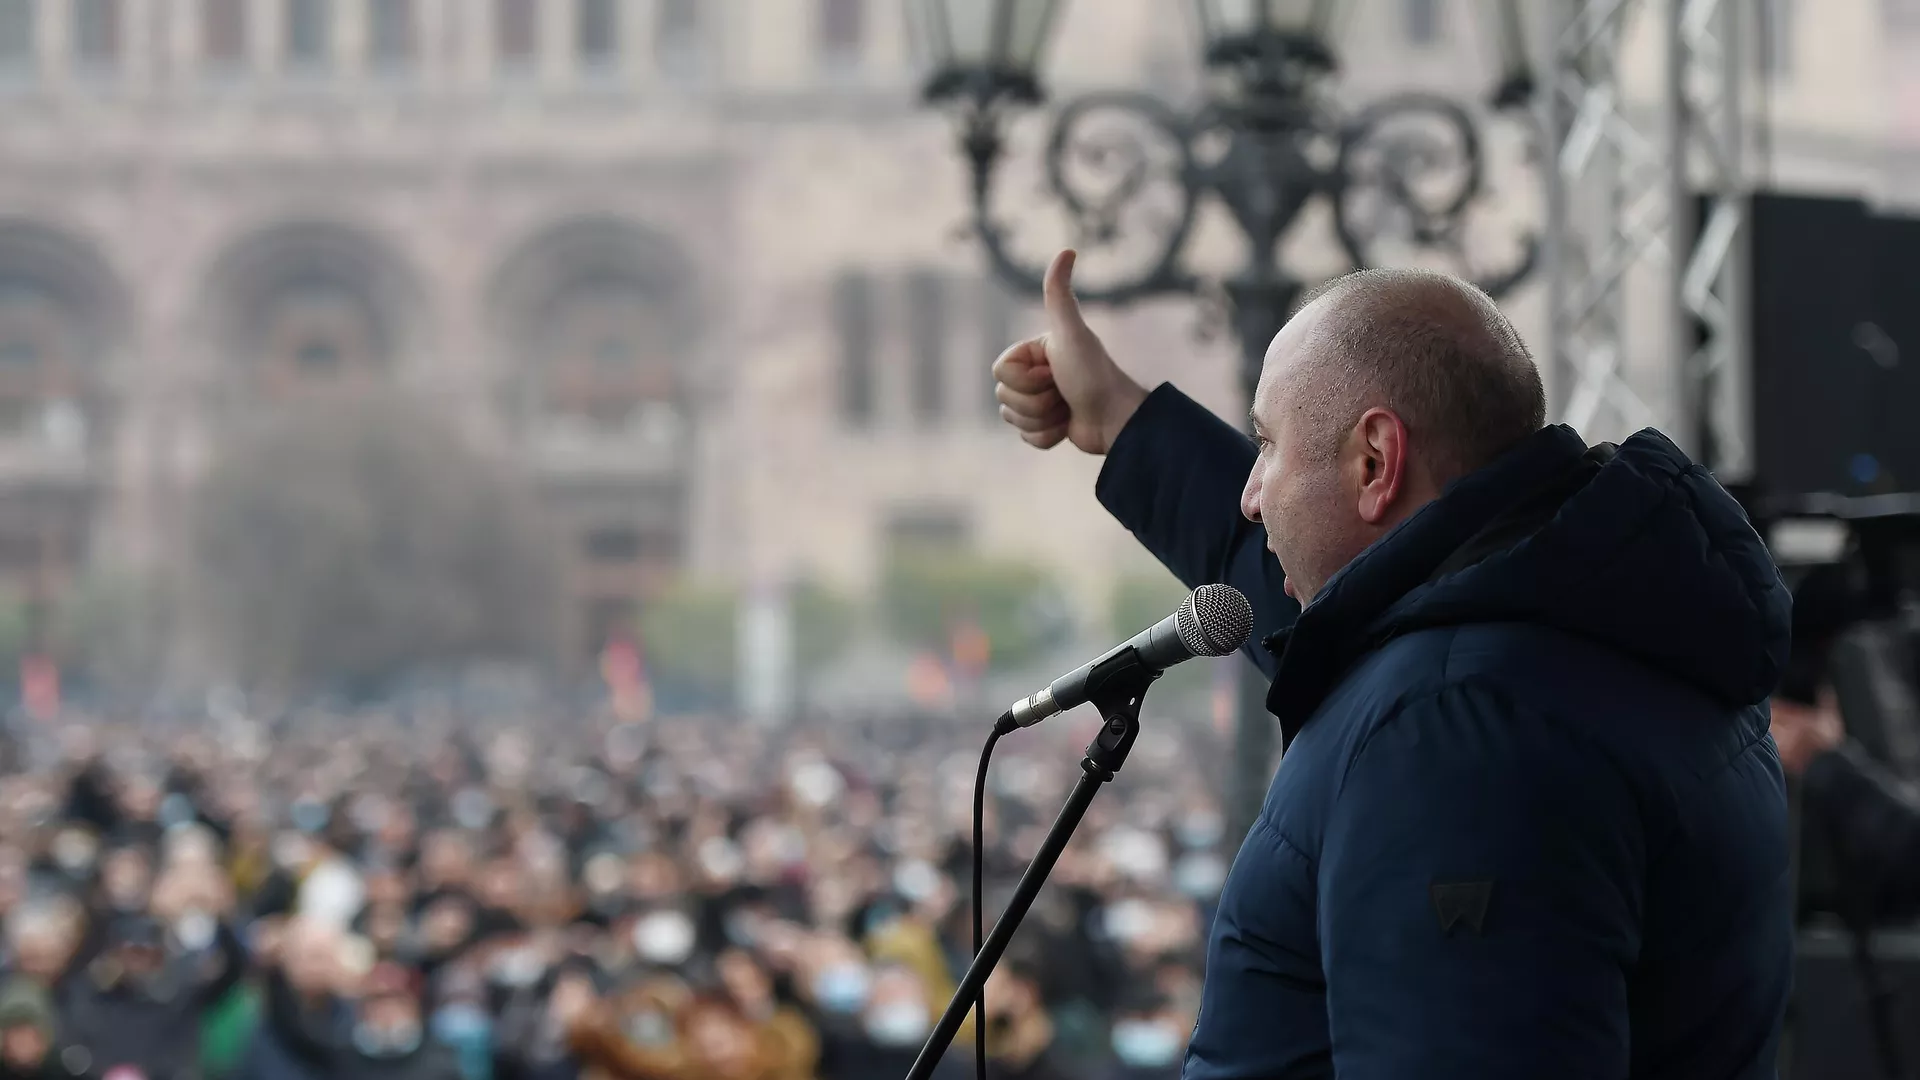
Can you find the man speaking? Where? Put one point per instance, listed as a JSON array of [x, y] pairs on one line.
[[1529, 823]]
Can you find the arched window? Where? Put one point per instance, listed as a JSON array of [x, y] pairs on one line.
[[595, 316], [308, 305], [42, 378]]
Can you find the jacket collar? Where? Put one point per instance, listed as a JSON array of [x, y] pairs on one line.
[[1344, 621]]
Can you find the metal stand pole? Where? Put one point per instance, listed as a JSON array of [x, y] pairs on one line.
[[1119, 703]]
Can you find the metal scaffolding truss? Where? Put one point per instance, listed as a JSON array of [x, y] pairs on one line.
[[1706, 76], [1622, 187]]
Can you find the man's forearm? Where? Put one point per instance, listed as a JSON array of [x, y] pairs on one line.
[[1173, 477]]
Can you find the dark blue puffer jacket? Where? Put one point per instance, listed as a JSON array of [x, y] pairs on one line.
[[1529, 822]]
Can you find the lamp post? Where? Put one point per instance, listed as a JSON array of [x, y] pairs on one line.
[[1265, 143]]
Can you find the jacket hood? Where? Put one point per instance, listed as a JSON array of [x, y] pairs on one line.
[[1634, 547]]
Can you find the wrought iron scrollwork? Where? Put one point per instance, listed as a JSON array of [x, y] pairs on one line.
[[1405, 176], [1412, 168], [1120, 166]]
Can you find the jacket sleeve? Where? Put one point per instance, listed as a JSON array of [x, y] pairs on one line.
[[1873, 827], [1477, 889], [1173, 477]]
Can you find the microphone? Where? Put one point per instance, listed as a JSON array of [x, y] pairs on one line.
[[1213, 620]]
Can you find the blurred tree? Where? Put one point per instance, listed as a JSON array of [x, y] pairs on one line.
[[689, 637], [356, 540], [111, 630], [1142, 599], [114, 628], [1021, 609], [824, 622]]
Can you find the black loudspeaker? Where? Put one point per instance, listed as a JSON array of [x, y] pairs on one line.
[[1836, 347]]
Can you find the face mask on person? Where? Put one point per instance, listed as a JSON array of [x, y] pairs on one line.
[[291, 851], [1127, 921], [472, 809], [195, 930], [461, 1023], [518, 968], [816, 783], [1199, 876], [664, 938], [1200, 830], [308, 816], [75, 851], [1139, 856], [720, 858], [176, 809], [389, 1043], [842, 988], [649, 1027], [880, 916], [898, 1023], [603, 876], [742, 928], [916, 881], [1143, 1044]]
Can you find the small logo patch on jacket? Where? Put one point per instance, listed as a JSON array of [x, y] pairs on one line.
[[1462, 902]]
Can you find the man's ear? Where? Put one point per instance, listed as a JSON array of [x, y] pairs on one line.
[[1380, 445]]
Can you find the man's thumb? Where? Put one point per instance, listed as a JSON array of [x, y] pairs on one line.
[[1063, 310]]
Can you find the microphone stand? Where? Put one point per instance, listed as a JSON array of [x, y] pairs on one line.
[[1121, 686]]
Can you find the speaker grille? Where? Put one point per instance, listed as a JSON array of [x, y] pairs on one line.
[[1214, 620]]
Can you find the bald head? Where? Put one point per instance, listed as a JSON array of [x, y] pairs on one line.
[[1433, 349], [1386, 387]]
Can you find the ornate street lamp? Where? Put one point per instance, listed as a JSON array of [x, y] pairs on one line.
[[1265, 142]]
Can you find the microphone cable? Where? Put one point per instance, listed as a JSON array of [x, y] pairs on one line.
[[1002, 726]]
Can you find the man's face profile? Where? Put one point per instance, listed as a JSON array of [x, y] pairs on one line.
[[1295, 488]]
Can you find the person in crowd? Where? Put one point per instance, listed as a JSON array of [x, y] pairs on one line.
[[306, 965], [1021, 1034], [1865, 814], [750, 986], [27, 1047], [390, 1039], [44, 935], [1149, 1035], [462, 1022], [138, 1005], [637, 1034]]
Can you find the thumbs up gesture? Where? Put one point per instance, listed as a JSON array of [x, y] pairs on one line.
[[1063, 384]]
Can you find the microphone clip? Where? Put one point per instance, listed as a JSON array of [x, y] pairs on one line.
[[1117, 690]]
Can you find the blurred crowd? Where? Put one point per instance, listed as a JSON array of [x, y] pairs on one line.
[[385, 894]]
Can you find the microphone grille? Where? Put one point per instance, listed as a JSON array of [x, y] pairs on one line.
[[1214, 620]]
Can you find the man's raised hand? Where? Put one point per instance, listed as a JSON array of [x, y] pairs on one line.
[[1064, 384]]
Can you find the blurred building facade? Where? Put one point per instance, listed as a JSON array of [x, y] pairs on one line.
[[698, 265]]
